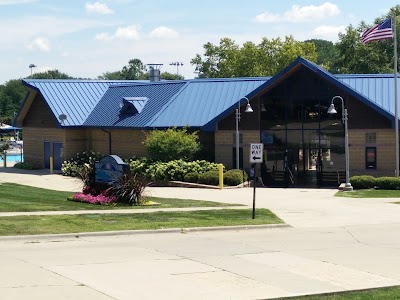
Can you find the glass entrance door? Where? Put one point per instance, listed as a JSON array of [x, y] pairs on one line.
[[308, 167]]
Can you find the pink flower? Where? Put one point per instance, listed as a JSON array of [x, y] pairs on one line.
[[88, 198]]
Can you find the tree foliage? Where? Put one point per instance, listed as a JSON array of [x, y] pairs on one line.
[[12, 94], [354, 57], [51, 74], [265, 59], [136, 70], [326, 53], [171, 76], [172, 144]]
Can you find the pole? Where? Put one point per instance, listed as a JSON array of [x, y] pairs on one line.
[[221, 176], [237, 138], [347, 186], [396, 113], [254, 191]]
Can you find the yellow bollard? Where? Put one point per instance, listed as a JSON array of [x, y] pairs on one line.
[[221, 176], [5, 159], [51, 164]]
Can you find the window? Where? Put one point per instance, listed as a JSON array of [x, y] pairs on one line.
[[370, 157], [370, 138]]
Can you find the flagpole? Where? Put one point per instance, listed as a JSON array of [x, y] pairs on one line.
[[396, 112]]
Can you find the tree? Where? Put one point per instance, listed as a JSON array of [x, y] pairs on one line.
[[51, 74], [327, 53], [135, 70], [12, 93], [265, 59], [354, 57], [111, 76], [171, 144], [170, 76]]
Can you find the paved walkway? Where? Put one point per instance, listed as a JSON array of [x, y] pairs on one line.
[[334, 244], [297, 207]]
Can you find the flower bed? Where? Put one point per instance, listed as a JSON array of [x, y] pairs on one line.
[[88, 198]]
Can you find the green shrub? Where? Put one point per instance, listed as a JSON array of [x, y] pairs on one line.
[[210, 177], [234, 177], [26, 166], [73, 166], [172, 170], [363, 182], [139, 165], [388, 183], [172, 144], [192, 177], [128, 189]]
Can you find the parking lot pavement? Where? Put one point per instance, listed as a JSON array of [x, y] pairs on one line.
[[335, 244], [240, 264]]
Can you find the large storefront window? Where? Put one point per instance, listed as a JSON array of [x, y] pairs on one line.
[[301, 140]]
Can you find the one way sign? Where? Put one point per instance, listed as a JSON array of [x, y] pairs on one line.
[[256, 153]]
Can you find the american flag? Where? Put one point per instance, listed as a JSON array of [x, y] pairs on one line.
[[382, 31]]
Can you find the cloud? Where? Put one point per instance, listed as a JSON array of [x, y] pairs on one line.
[[40, 43], [122, 33], [98, 8], [329, 31], [163, 32], [299, 14], [15, 2]]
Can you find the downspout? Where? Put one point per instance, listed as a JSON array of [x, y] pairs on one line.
[[109, 140]]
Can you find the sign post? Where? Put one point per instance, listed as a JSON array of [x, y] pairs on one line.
[[256, 157]]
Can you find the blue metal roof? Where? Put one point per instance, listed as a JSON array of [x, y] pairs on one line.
[[135, 103], [74, 98], [376, 88], [198, 103], [203, 101], [107, 112]]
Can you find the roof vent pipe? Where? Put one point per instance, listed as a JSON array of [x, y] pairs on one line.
[[155, 72]]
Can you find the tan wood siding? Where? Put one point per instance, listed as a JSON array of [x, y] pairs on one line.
[[39, 115]]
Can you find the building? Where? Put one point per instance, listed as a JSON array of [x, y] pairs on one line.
[[303, 144]]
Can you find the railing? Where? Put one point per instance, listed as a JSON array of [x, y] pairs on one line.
[[291, 178]]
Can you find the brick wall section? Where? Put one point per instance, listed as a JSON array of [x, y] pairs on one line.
[[385, 151], [75, 142], [39, 115], [124, 143], [34, 138], [225, 142]]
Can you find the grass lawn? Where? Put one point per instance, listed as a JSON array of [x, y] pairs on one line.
[[370, 194], [391, 293], [28, 225], [21, 198]]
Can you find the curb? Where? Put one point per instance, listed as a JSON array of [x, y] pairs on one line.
[[72, 236]]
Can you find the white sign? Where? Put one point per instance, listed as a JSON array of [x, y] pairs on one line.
[[256, 153]]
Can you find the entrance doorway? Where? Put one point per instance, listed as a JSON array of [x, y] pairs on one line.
[[299, 167], [55, 150], [307, 167]]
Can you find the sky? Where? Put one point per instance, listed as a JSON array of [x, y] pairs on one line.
[[88, 38]]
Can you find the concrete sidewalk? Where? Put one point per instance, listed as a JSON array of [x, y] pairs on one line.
[[41, 179], [297, 207]]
